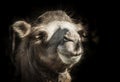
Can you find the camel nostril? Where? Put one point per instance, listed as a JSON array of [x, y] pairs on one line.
[[77, 54]]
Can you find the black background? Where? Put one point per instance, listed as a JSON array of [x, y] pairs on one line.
[[97, 67]]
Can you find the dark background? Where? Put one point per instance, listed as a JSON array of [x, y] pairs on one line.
[[98, 65]]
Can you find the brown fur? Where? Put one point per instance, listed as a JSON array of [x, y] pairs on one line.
[[32, 59]]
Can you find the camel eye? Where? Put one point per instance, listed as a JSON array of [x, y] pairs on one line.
[[37, 37], [82, 34], [41, 36]]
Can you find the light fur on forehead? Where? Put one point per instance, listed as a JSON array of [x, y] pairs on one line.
[[58, 15]]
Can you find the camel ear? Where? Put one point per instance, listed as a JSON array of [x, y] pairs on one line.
[[22, 28]]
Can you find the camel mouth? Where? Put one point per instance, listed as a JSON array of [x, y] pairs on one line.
[[69, 59]]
